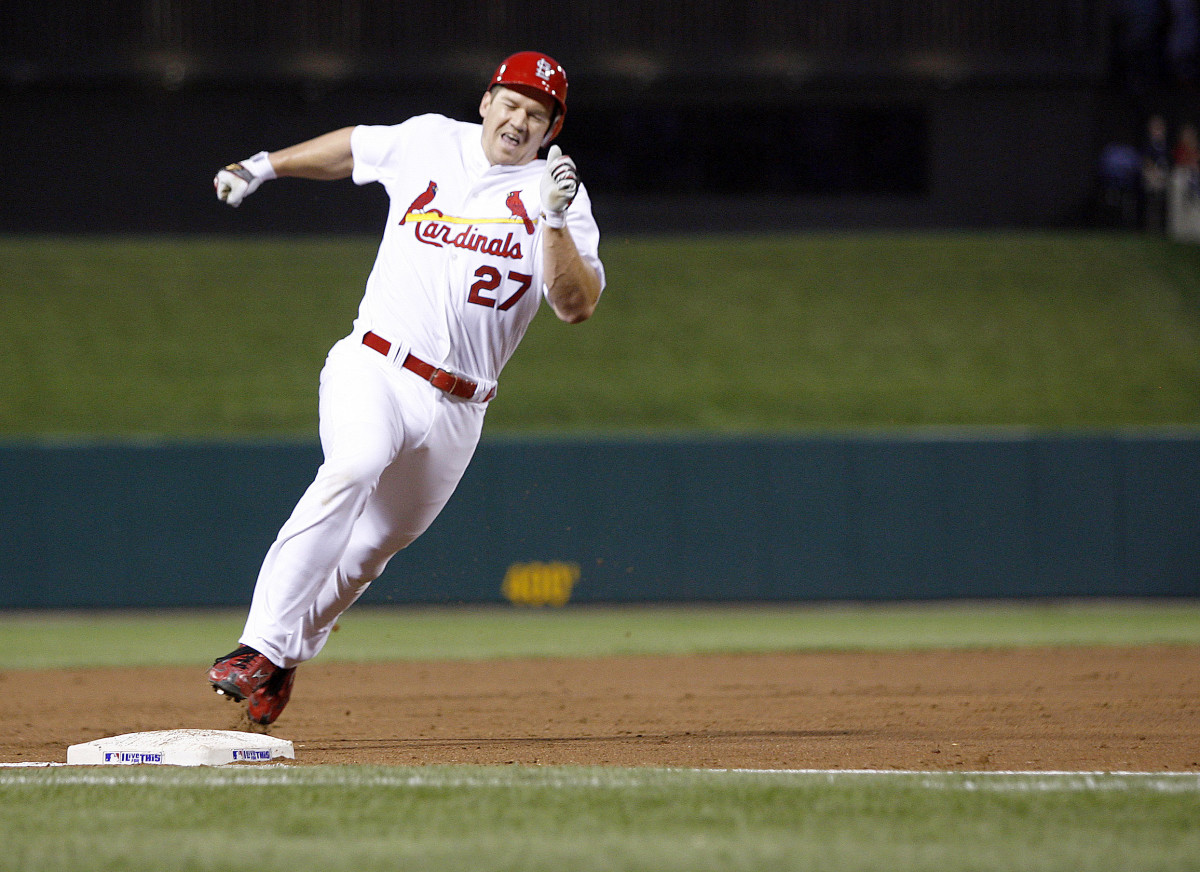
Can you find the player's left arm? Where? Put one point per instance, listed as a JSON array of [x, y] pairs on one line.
[[572, 285]]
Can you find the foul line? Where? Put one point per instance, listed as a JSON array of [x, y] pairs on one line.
[[582, 778]]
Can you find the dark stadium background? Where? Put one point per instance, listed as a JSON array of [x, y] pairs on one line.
[[706, 114]]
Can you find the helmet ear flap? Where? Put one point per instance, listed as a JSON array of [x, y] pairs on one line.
[[555, 128]]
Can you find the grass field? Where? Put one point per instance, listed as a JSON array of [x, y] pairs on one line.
[[52, 640], [335, 818], [219, 337], [513, 818]]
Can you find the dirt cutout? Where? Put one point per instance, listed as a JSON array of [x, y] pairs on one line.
[[1091, 709]]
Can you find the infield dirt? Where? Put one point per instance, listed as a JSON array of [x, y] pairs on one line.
[[1095, 709]]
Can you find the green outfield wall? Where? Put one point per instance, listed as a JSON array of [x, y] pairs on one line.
[[546, 522]]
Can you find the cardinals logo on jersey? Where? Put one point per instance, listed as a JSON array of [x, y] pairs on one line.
[[434, 227], [515, 206], [423, 200]]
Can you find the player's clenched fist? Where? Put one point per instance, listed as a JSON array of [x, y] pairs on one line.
[[239, 180], [560, 183]]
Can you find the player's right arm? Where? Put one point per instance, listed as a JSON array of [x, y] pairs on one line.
[[325, 158]]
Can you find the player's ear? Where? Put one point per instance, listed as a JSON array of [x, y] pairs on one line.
[[485, 103]]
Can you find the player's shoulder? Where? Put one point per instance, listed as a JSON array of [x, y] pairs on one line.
[[429, 133], [427, 124], [435, 120]]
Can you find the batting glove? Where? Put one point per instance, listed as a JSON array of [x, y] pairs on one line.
[[560, 184], [239, 180]]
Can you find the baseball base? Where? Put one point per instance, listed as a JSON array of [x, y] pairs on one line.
[[181, 748]]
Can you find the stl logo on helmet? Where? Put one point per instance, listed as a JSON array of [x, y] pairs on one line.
[[544, 69]]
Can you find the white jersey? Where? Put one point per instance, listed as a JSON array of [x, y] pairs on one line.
[[458, 276]]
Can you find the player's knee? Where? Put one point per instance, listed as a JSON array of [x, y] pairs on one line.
[[363, 566], [360, 573]]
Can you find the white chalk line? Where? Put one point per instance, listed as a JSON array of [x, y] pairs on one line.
[[568, 778]]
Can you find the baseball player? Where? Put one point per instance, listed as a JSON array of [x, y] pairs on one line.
[[479, 229]]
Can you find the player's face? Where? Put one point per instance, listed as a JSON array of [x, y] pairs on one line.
[[514, 124]]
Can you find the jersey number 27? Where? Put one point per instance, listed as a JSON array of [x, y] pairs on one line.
[[489, 280]]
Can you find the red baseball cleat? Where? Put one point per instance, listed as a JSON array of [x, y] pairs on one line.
[[240, 672], [268, 701]]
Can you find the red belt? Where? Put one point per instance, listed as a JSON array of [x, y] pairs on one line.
[[456, 385]]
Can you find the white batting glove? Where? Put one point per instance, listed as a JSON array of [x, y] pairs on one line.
[[239, 180], [560, 184]]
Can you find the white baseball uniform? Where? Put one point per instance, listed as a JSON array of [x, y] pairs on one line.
[[456, 282]]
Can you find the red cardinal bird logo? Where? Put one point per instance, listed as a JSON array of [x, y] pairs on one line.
[[422, 201], [515, 206]]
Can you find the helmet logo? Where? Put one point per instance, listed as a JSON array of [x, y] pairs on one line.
[[544, 69]]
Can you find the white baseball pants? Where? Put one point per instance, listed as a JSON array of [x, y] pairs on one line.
[[395, 448]]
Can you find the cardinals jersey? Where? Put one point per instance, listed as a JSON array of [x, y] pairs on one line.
[[458, 275]]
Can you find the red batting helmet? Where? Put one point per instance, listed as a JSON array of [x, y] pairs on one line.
[[540, 72]]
